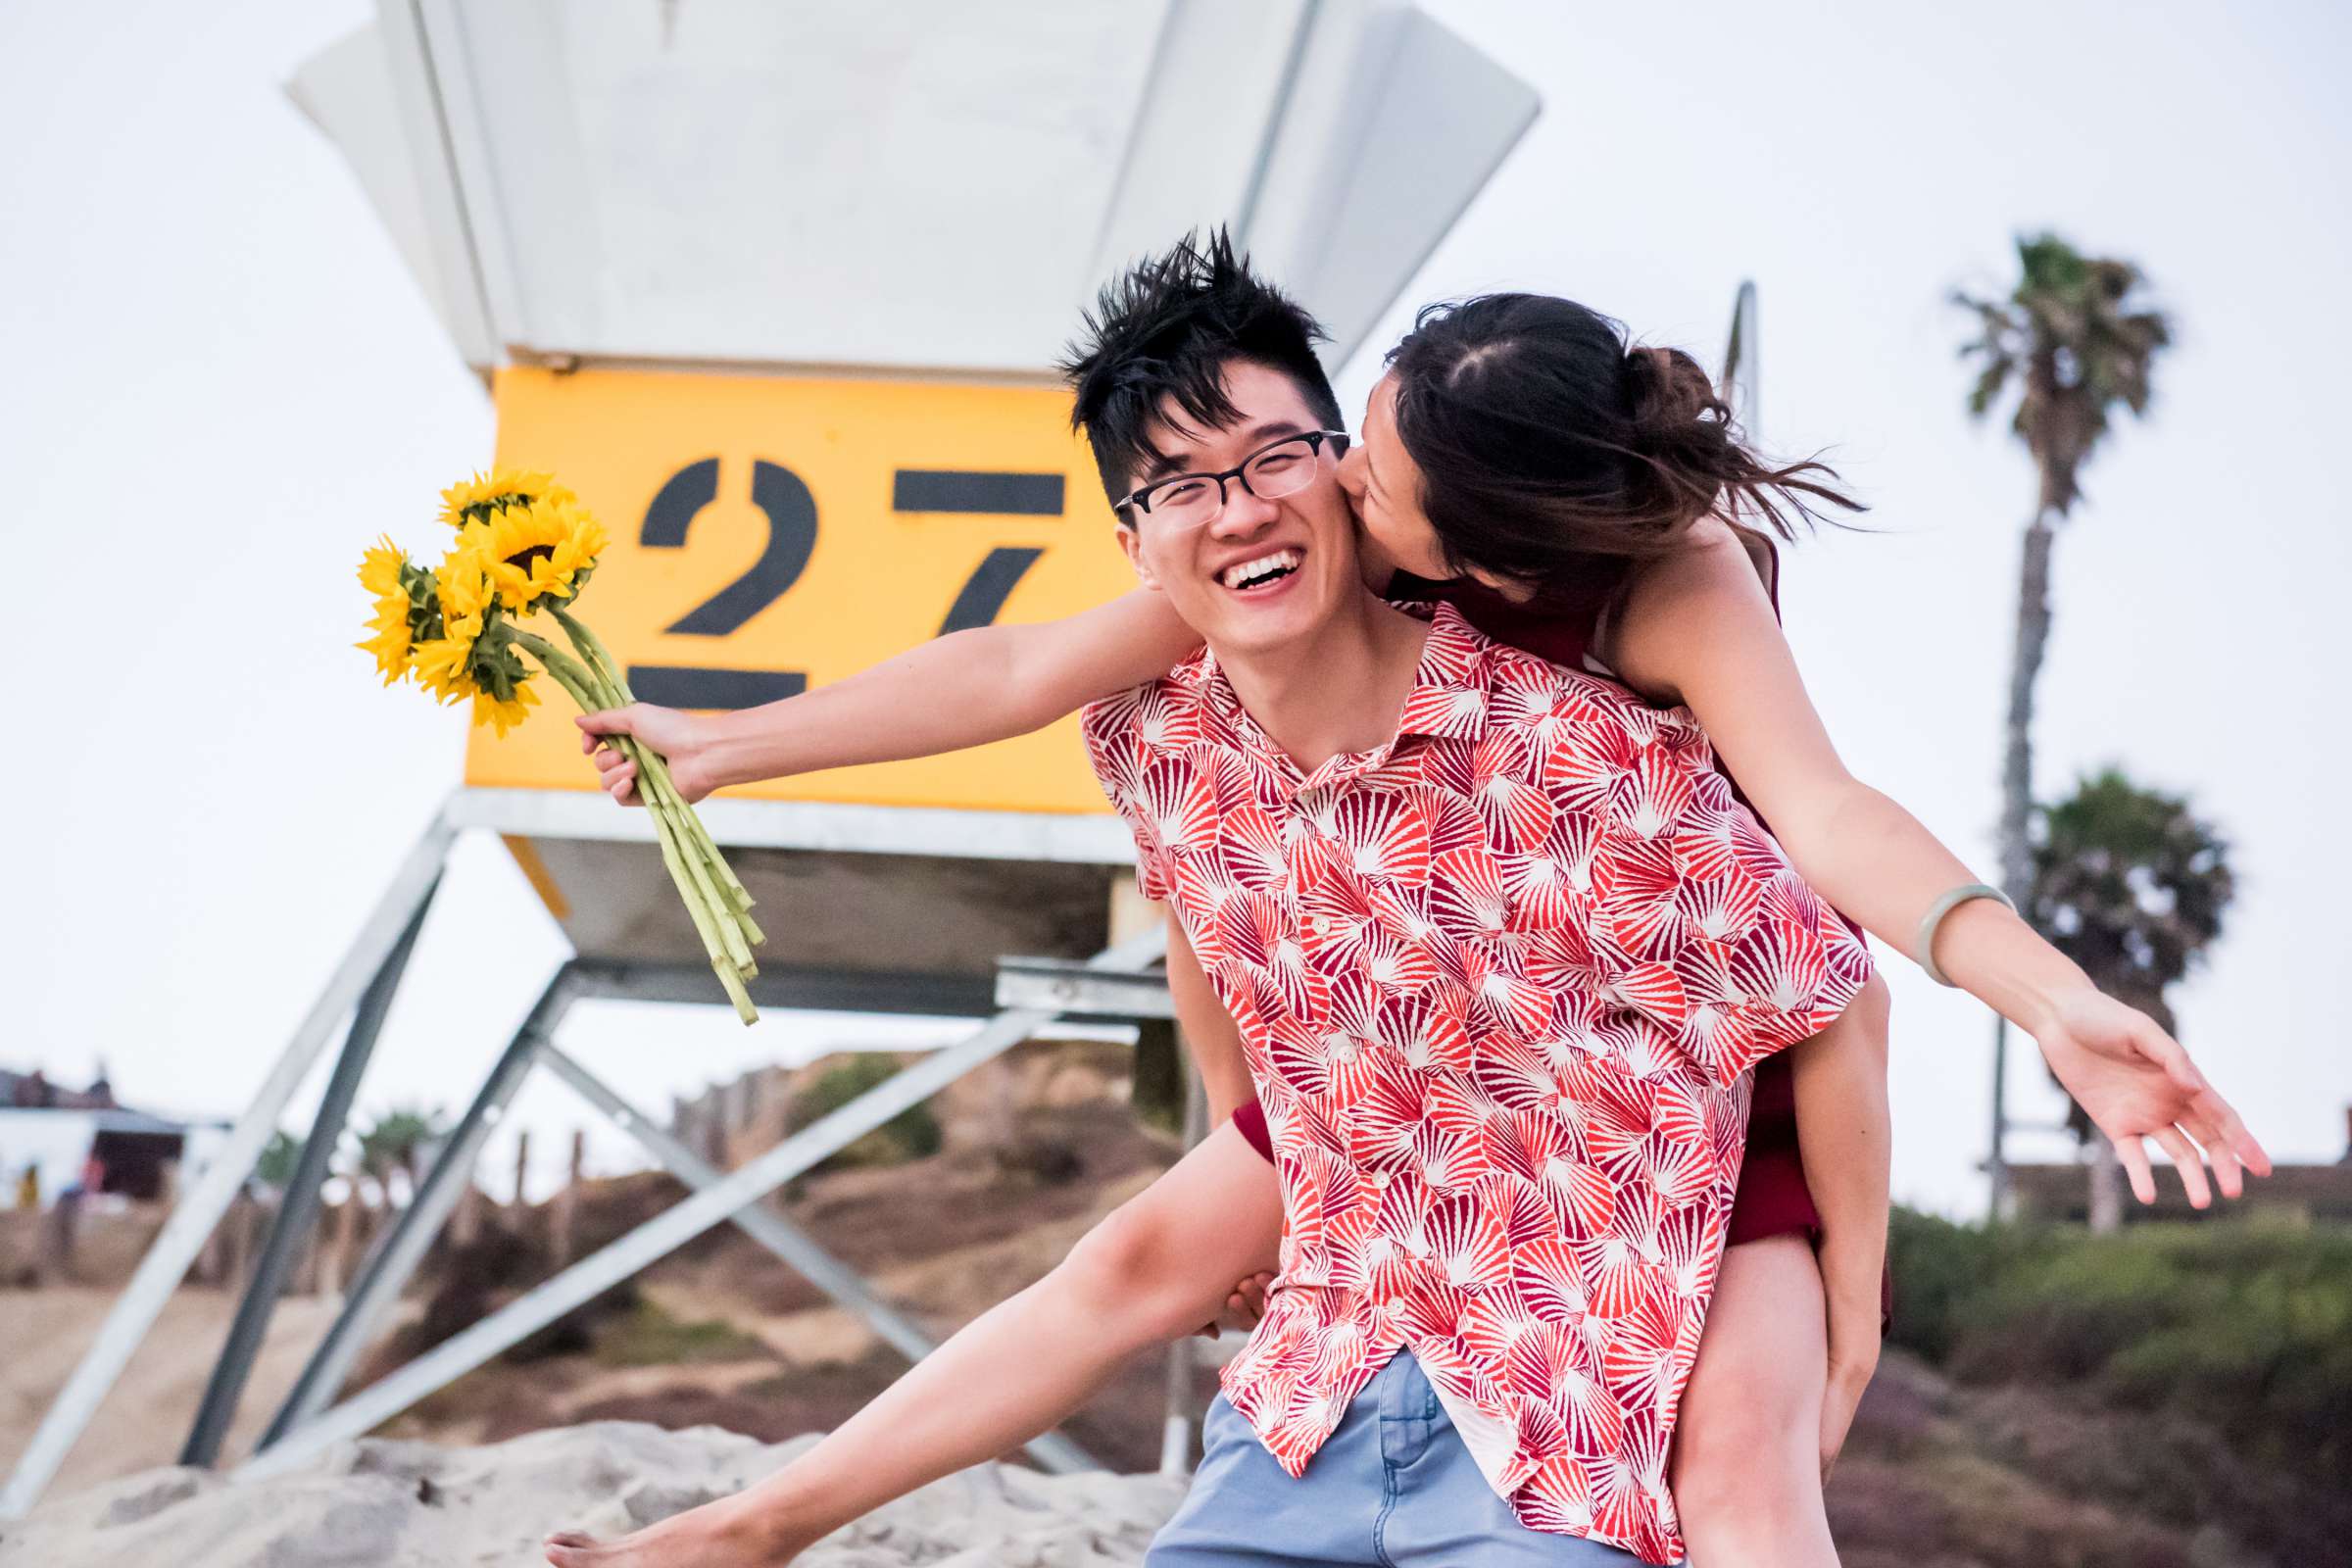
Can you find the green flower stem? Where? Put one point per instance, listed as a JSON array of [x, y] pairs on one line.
[[702, 904], [736, 993], [737, 899], [706, 923], [710, 911], [576, 680], [592, 647], [661, 791], [728, 959], [696, 900], [673, 814], [599, 660]]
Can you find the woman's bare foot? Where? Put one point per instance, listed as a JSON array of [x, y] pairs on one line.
[[726, 1533]]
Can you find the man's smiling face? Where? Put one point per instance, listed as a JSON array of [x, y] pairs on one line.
[[1260, 574]]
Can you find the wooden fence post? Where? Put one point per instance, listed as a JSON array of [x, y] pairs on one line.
[[522, 1166], [342, 1250], [246, 1217], [567, 1202], [302, 1278], [466, 1221]]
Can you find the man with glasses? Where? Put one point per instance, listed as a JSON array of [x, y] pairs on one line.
[[1282, 468], [1379, 833]]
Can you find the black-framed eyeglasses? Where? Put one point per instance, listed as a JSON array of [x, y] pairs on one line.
[[1274, 470]]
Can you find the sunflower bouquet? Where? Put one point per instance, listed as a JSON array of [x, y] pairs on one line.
[[525, 545]]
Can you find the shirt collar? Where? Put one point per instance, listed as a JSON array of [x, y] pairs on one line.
[[1448, 700]]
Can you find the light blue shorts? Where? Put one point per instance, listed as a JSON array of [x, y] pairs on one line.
[[1393, 1487]]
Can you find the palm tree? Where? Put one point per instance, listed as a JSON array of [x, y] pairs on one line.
[[2131, 885], [2074, 340], [274, 1166], [396, 1142]]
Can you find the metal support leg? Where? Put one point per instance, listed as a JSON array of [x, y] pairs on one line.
[[1058, 1454], [395, 1257], [1176, 1428], [671, 1229], [1996, 1161], [183, 1235], [300, 1206]]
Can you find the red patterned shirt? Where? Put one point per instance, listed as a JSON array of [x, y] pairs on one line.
[[1499, 982]]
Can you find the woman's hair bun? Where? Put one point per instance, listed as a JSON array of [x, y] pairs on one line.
[[1666, 388]]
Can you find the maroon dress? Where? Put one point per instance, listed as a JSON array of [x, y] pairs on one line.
[[1772, 1198]]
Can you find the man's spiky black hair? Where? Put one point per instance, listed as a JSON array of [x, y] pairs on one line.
[[1164, 329]]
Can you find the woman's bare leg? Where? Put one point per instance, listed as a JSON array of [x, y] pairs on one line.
[[1157, 1269], [1747, 1449]]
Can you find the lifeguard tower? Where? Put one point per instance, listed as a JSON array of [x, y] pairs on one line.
[[777, 290]]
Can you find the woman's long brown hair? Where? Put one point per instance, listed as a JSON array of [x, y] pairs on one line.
[[1552, 454]]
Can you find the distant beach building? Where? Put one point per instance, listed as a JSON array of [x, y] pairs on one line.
[[84, 1138], [2059, 1194]]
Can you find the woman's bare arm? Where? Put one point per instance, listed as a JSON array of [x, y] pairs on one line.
[[1215, 1041], [1209, 1031], [965, 689], [1839, 1082], [1697, 628]]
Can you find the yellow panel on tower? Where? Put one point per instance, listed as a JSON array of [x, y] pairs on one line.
[[775, 533]]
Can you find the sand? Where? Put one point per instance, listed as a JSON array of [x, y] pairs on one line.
[[146, 1415], [378, 1503]]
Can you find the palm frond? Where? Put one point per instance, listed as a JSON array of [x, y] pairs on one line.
[[1990, 382], [2073, 339]]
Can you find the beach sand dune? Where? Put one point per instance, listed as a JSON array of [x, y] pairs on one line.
[[378, 1503]]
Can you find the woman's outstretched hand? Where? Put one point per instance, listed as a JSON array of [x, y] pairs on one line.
[[2135, 1081], [682, 738]]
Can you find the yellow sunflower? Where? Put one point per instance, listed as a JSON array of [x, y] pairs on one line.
[[469, 650], [485, 495], [391, 643], [379, 567], [444, 666], [384, 572], [502, 715], [463, 582], [445, 662], [532, 551]]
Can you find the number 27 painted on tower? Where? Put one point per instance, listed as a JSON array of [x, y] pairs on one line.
[[792, 524], [772, 533]]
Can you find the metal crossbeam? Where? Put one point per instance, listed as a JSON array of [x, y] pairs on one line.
[[1045, 837], [788, 1242], [300, 1206], [780, 986], [200, 1208], [1077, 990], [666, 1232], [396, 1255]]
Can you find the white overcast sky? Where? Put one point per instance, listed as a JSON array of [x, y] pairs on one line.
[[217, 381]]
